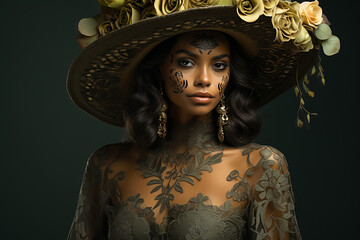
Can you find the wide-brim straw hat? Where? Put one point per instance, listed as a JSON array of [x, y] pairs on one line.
[[102, 75]]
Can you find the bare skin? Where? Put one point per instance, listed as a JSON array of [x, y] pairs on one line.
[[198, 62]]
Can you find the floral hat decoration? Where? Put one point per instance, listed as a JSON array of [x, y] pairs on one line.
[[282, 38]]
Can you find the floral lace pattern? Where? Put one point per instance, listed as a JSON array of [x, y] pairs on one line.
[[258, 201], [185, 166]]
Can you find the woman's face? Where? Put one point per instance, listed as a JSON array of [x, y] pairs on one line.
[[196, 73]]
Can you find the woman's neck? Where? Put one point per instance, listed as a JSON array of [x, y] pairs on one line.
[[198, 131], [181, 117]]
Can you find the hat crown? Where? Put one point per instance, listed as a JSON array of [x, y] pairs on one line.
[[292, 21]]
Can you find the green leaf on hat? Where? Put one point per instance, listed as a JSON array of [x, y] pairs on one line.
[[88, 27], [331, 46], [323, 31]]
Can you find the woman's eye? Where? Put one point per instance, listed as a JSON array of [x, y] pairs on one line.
[[220, 66], [185, 63]]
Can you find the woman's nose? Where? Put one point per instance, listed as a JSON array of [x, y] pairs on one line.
[[202, 79]]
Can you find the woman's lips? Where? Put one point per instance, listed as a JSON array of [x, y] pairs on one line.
[[201, 97], [197, 99]]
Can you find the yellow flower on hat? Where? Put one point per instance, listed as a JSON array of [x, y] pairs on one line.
[[164, 7], [128, 15], [311, 13], [269, 6], [286, 21], [199, 3], [111, 3], [249, 10], [303, 41], [106, 28]]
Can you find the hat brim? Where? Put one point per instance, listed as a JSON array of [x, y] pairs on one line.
[[100, 76]]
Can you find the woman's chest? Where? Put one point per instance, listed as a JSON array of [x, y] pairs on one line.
[[163, 183], [197, 219], [194, 198]]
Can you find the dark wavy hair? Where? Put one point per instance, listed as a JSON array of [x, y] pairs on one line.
[[142, 106]]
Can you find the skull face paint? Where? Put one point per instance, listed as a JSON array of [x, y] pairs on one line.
[[196, 73]]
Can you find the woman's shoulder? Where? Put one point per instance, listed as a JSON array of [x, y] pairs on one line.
[[260, 155], [121, 152]]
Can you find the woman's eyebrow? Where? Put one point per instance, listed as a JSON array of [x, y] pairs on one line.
[[220, 56], [187, 52], [194, 55]]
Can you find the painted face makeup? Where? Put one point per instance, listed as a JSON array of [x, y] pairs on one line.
[[196, 73], [204, 42], [224, 81], [177, 82]]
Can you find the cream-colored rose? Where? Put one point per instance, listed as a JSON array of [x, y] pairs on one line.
[[269, 6], [128, 15], [286, 21], [250, 10], [106, 28], [311, 13], [199, 3], [303, 41], [164, 7], [111, 3]]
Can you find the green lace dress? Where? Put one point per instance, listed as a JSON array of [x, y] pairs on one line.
[[189, 188]]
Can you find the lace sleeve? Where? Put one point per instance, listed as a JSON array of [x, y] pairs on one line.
[[271, 212], [90, 219]]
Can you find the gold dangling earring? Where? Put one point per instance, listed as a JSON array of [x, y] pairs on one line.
[[223, 119], [162, 118]]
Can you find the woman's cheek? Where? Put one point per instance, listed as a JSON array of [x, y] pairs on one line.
[[177, 81], [222, 85], [174, 77]]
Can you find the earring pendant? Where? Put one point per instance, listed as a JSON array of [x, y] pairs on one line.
[[162, 119], [223, 119]]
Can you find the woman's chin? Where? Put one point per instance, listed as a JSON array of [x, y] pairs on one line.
[[201, 111]]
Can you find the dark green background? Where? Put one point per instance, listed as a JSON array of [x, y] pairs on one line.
[[46, 139]]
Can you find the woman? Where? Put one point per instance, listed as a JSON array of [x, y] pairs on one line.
[[186, 88]]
